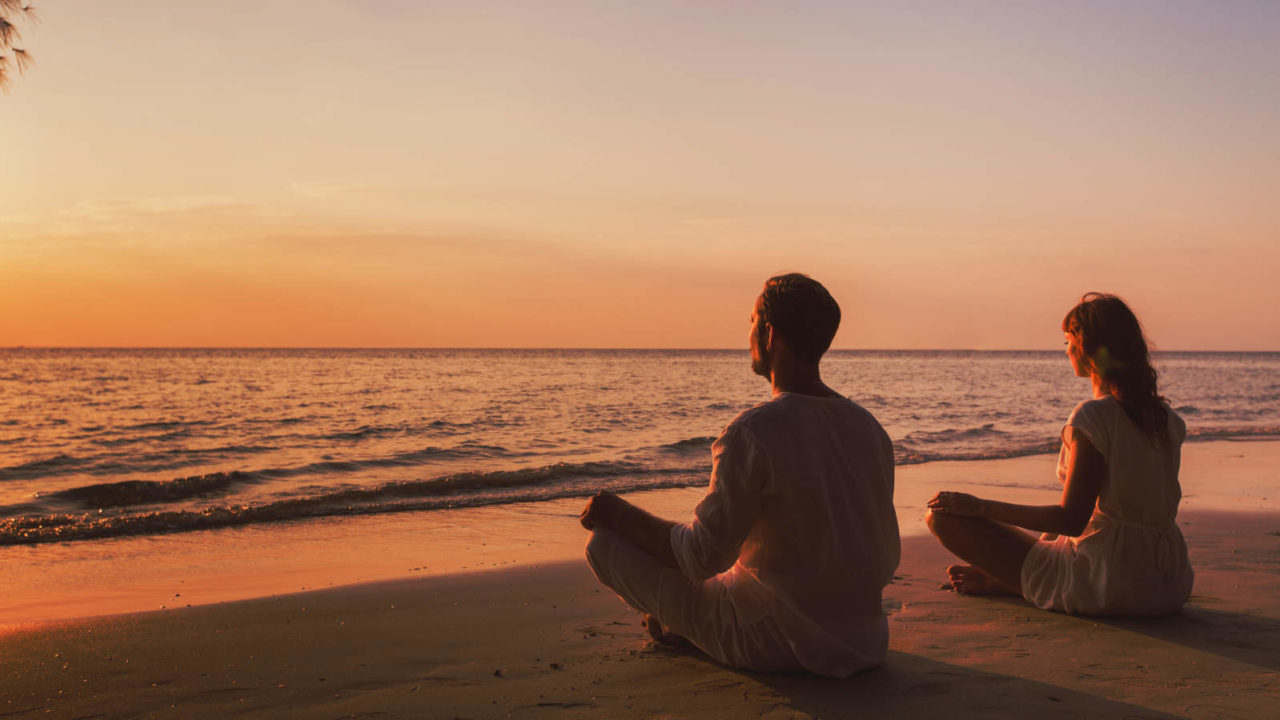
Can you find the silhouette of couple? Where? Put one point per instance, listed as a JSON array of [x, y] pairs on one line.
[[783, 564]]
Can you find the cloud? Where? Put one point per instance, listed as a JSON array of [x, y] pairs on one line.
[[160, 205], [154, 218], [331, 188]]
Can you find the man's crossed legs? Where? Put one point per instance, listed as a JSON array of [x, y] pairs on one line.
[[702, 612]]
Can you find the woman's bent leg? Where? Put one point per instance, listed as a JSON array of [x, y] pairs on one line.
[[994, 548]]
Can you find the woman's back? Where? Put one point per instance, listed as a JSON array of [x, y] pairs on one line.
[[1142, 485], [1131, 559]]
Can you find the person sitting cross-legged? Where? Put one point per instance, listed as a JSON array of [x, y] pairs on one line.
[[1111, 545], [783, 564]]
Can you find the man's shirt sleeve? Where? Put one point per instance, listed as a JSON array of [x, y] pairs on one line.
[[724, 518]]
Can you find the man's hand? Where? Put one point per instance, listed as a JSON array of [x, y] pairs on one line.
[[650, 533], [601, 510], [957, 503]]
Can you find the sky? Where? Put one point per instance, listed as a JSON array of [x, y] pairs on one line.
[[390, 173]]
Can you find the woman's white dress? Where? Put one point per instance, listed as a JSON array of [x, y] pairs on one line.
[[1131, 559]]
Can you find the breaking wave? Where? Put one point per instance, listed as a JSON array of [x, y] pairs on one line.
[[690, 444], [986, 432], [1227, 433], [450, 491], [185, 457]]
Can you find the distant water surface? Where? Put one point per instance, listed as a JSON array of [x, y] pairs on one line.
[[102, 443]]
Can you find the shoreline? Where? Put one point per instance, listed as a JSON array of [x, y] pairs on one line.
[[546, 640], [63, 581]]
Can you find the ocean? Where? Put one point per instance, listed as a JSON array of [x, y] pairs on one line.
[[98, 443]]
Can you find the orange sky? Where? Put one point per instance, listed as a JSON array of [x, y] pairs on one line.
[[592, 174]]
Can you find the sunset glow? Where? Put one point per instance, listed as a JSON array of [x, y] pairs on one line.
[[576, 174]]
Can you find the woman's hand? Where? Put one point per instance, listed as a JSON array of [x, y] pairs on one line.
[[957, 503], [601, 509]]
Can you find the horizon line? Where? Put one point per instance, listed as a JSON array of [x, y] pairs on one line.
[[561, 349]]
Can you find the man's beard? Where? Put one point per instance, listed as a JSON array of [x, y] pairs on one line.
[[760, 366]]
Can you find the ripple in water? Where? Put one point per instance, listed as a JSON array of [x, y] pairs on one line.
[[191, 439]]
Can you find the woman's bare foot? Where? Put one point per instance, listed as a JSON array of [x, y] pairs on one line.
[[662, 637], [969, 580]]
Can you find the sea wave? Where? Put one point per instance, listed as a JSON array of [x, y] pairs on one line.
[[56, 465], [364, 431], [1201, 434], [449, 491], [167, 424], [690, 444], [126, 463], [403, 459], [150, 492], [136, 439], [986, 432], [904, 455], [907, 454]]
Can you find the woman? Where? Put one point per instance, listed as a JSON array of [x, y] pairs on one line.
[[1110, 546]]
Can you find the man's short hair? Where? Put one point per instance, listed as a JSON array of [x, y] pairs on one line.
[[802, 312]]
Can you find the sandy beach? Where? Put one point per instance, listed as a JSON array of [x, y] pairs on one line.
[[517, 627]]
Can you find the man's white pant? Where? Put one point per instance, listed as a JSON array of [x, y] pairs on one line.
[[701, 612]]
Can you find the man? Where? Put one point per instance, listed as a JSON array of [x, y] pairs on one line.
[[783, 564]]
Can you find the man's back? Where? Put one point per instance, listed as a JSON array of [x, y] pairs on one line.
[[802, 499]]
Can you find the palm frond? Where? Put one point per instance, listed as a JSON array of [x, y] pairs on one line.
[[8, 33], [13, 57]]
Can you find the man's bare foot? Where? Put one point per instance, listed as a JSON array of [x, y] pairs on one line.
[[969, 580], [662, 637]]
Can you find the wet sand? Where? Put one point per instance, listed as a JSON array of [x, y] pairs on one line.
[[544, 640]]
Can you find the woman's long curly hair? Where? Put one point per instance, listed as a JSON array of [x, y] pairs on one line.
[[1111, 337]]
